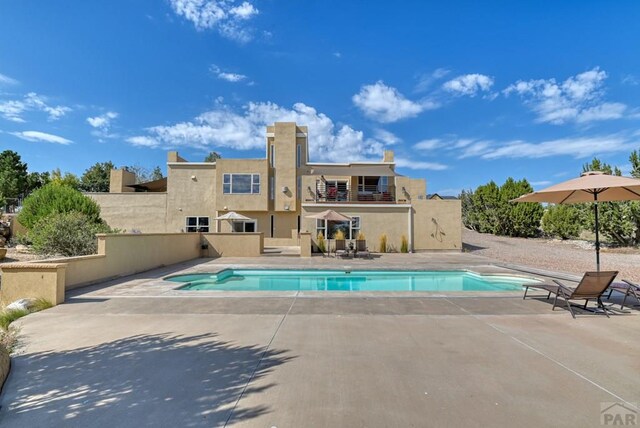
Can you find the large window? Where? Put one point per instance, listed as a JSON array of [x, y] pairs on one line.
[[244, 226], [273, 156], [299, 156], [197, 224], [330, 228], [241, 183]]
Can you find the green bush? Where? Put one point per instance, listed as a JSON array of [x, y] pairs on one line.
[[7, 317], [56, 198], [66, 234], [562, 221]]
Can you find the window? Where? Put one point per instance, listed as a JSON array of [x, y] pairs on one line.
[[298, 224], [299, 186], [197, 224], [383, 184], [272, 188], [241, 183], [299, 156], [350, 229], [273, 156], [244, 226]]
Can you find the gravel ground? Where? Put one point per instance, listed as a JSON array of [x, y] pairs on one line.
[[574, 257]]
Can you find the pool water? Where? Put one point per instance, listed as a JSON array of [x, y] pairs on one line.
[[340, 280]]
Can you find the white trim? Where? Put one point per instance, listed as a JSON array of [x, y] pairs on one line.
[[300, 134], [324, 205], [271, 134]]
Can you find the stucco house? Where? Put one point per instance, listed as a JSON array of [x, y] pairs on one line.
[[278, 192]]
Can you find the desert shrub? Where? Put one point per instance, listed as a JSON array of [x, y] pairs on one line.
[[404, 244], [562, 221], [322, 246], [66, 234], [7, 317], [361, 236], [339, 235], [383, 247], [40, 304], [56, 198]]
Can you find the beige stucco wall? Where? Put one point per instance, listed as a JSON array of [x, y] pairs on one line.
[[32, 280], [190, 193], [414, 189], [144, 212], [242, 202], [119, 179], [234, 244], [437, 224], [126, 254], [375, 220]]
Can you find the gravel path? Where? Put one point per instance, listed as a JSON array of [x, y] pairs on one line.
[[574, 257]]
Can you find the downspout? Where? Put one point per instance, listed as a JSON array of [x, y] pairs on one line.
[[410, 227]]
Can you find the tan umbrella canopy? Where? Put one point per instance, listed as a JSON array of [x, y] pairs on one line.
[[330, 215], [591, 186], [232, 215]]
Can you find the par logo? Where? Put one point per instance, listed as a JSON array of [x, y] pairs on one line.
[[618, 414]]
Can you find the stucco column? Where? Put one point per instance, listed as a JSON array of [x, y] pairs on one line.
[[410, 227]]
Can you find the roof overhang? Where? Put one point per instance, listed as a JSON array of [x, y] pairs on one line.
[[377, 170]]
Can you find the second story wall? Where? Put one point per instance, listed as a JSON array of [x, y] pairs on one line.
[[190, 192], [233, 193]]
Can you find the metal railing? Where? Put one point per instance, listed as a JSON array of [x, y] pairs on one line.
[[342, 192], [13, 205]]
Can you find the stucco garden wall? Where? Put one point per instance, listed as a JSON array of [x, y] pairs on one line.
[[437, 224], [143, 212], [234, 244]]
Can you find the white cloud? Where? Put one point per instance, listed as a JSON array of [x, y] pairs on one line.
[[14, 110], [426, 80], [102, 121], [468, 84], [6, 80], [227, 16], [337, 54], [577, 99], [386, 104], [576, 147], [229, 77], [541, 183], [224, 128], [631, 80], [416, 164], [430, 144], [37, 136], [386, 137]]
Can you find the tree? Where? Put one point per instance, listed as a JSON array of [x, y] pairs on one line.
[[518, 219], [562, 221], [13, 175], [143, 175], [96, 178], [56, 198], [68, 179], [66, 234], [486, 200], [36, 180], [212, 157], [619, 221]]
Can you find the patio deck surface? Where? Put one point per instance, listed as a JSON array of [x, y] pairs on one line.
[[135, 352]]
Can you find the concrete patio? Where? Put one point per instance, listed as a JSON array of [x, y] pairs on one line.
[[136, 352]]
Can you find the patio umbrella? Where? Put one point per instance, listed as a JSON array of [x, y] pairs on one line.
[[232, 216], [591, 186], [329, 215]]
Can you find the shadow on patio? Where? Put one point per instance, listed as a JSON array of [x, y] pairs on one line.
[[143, 380]]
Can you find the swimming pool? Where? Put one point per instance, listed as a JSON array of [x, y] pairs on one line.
[[341, 280]]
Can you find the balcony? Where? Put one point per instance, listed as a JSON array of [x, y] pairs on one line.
[[341, 192]]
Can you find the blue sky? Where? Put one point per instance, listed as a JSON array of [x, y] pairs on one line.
[[462, 91]]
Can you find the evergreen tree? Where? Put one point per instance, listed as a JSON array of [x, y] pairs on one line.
[[96, 178]]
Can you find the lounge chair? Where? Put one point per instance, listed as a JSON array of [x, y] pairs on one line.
[[591, 286], [341, 248], [627, 288], [361, 249]]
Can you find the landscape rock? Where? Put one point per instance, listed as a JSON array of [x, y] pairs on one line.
[[20, 305], [22, 248]]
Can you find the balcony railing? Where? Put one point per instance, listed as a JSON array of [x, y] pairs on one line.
[[341, 192]]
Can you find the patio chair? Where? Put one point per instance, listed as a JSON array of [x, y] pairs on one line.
[[627, 288], [591, 286], [361, 248], [341, 248]]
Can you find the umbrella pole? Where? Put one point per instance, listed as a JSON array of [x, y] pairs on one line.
[[595, 208]]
